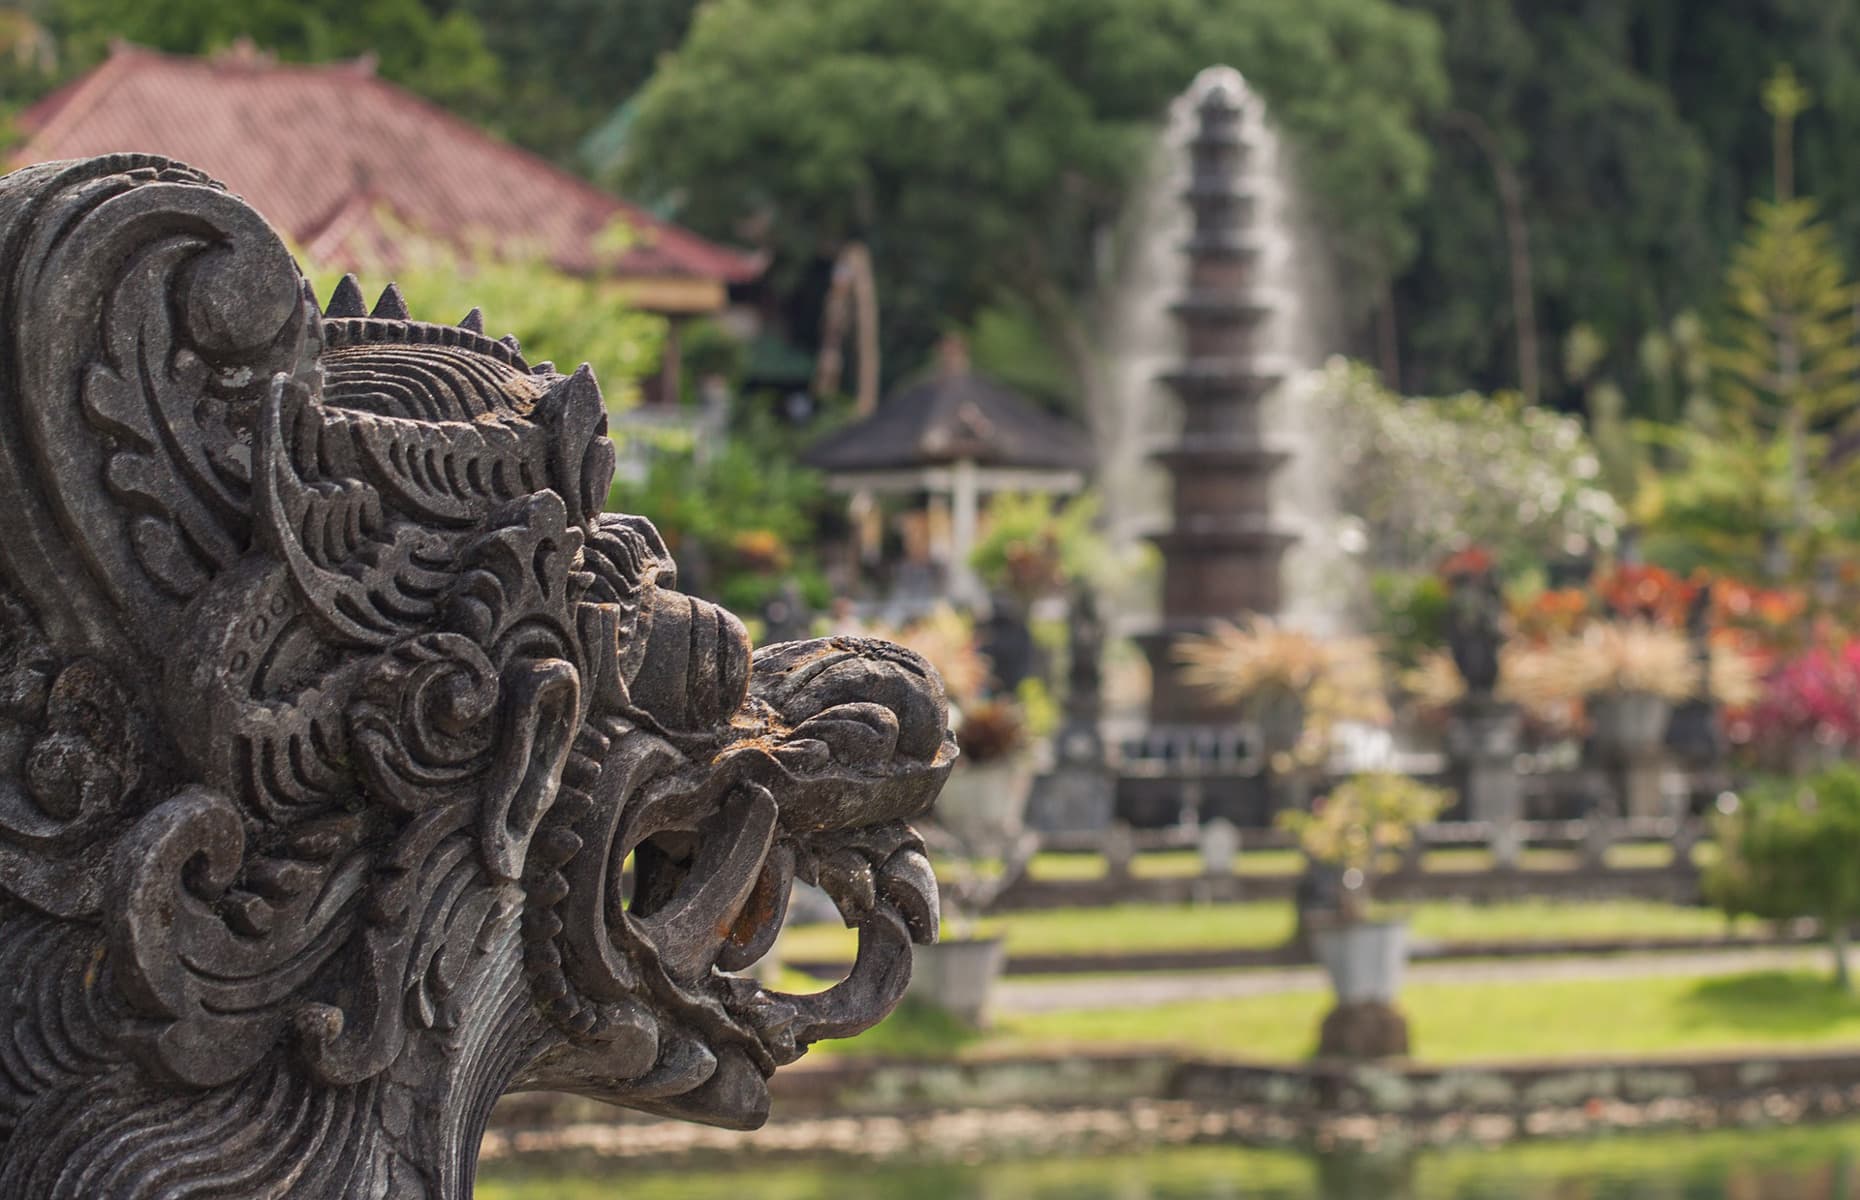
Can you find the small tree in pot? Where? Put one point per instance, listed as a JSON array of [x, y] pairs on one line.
[[977, 833], [1294, 689], [980, 840], [1364, 821]]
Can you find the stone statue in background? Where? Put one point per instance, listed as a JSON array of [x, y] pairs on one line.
[[1484, 732], [1080, 740], [1475, 623], [331, 707], [1080, 791]]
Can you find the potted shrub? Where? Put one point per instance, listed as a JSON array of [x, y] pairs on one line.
[[1362, 822], [1033, 547], [1294, 687], [1628, 672], [984, 805], [979, 836], [977, 833]]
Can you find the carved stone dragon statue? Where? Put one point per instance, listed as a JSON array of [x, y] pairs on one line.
[[355, 767]]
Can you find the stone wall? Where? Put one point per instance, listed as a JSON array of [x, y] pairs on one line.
[[1009, 1106]]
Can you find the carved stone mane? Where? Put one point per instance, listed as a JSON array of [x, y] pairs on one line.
[[355, 768]]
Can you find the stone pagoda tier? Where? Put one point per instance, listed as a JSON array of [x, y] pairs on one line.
[[1221, 553]]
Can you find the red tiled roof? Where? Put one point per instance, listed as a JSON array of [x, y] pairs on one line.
[[338, 160]]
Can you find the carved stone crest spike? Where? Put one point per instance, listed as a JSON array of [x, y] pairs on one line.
[[392, 306], [347, 300], [355, 767]]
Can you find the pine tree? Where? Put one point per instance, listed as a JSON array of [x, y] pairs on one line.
[[1786, 363], [1786, 358]]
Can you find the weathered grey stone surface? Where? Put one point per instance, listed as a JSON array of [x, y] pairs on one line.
[[331, 707]]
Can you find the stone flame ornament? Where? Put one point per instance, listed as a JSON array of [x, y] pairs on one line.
[[355, 767]]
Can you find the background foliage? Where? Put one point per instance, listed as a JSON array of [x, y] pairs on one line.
[[1788, 850], [1426, 477], [938, 139], [741, 522], [1633, 129]]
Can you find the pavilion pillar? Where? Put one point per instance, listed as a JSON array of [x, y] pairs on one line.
[[671, 363], [937, 530], [965, 519], [868, 522]]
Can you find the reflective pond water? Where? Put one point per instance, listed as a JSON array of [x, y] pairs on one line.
[[1812, 1163]]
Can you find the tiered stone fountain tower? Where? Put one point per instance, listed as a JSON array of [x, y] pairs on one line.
[[1221, 553]]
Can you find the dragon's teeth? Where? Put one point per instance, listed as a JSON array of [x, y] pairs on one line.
[[909, 884], [846, 875]]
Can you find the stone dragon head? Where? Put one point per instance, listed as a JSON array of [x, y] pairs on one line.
[[355, 767]]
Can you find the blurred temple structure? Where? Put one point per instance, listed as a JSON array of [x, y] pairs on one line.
[[943, 445], [354, 171]]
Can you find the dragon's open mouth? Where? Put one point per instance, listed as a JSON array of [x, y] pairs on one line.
[[709, 904], [805, 785], [883, 886]]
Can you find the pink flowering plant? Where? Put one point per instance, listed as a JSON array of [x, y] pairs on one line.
[[1812, 696]]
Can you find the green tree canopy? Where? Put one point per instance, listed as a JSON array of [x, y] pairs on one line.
[[1614, 180], [443, 57], [568, 63], [1772, 453], [978, 146], [1636, 134], [1767, 467]]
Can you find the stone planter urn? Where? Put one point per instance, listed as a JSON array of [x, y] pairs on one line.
[[957, 976], [983, 812], [1630, 737], [1278, 714], [1629, 724], [1365, 961], [984, 805]]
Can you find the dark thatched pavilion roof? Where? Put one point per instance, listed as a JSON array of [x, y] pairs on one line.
[[951, 417]]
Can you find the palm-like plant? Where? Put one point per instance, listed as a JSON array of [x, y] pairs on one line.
[[1263, 662]]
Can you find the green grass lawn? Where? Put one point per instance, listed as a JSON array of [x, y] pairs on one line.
[[1133, 927], [1771, 1162], [1448, 1022], [1056, 866]]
